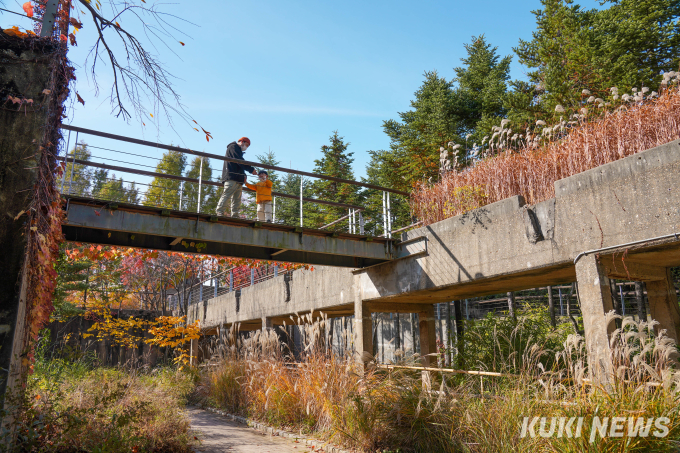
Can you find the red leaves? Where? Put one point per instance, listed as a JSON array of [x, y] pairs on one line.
[[28, 8], [181, 43], [76, 24], [80, 99], [72, 39], [208, 135]]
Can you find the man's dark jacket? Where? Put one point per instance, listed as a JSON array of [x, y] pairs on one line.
[[231, 171]]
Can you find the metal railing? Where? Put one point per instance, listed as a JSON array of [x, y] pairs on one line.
[[183, 193], [235, 278]]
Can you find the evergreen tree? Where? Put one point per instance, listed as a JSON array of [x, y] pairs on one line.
[[78, 176], [288, 210], [99, 178], [336, 162], [627, 45], [416, 139], [207, 191], [165, 193], [114, 190], [481, 89], [73, 276]]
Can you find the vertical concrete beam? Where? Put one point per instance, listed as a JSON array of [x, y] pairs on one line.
[[663, 304], [428, 338], [363, 326], [267, 323], [596, 302], [194, 352], [428, 342]]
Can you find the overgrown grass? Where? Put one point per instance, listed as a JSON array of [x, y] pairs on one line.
[[532, 171], [74, 406], [391, 410]]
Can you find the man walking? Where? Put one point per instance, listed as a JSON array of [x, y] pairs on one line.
[[233, 177]]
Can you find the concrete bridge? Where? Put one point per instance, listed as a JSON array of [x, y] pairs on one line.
[[620, 220]]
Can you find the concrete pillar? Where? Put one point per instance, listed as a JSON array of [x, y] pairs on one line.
[[195, 353], [267, 323], [428, 339], [663, 305], [596, 302], [428, 342], [363, 332]]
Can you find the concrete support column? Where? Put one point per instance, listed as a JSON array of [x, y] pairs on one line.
[[596, 302], [267, 323], [363, 326], [663, 305], [194, 353], [428, 342], [428, 339]]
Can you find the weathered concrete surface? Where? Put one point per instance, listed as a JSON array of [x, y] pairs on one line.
[[505, 246], [25, 71], [145, 227]]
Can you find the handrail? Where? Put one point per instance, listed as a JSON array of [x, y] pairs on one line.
[[227, 159], [185, 179]]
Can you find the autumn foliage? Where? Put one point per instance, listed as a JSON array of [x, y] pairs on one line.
[[532, 171]]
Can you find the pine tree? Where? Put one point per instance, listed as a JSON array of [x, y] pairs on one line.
[[629, 44], [416, 139], [482, 89], [99, 178], [336, 162], [114, 190], [207, 191], [78, 176], [163, 192]]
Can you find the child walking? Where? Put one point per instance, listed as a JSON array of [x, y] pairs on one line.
[[263, 196]]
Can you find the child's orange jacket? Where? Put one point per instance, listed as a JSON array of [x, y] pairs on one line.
[[263, 190]]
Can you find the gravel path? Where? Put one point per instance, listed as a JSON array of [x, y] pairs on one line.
[[218, 435]]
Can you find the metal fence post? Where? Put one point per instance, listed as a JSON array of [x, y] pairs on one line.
[[559, 291], [361, 223], [276, 270], [623, 302], [63, 175], [389, 216], [274, 210], [200, 178], [301, 179], [384, 214], [181, 194], [73, 165], [215, 283], [252, 276]]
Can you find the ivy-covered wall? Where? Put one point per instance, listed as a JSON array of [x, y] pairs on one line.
[[34, 77]]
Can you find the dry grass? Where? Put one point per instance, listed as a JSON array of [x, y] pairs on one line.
[[379, 410], [72, 407], [532, 172]]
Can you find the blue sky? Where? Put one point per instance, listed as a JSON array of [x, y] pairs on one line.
[[287, 74]]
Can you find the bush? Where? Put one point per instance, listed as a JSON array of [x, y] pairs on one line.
[[72, 406]]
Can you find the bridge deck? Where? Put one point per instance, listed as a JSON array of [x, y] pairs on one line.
[[103, 222]]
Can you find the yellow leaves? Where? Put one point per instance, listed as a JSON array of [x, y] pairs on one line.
[[151, 115], [117, 25]]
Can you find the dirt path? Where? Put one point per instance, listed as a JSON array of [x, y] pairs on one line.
[[220, 435]]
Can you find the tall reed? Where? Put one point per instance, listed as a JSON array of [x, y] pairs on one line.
[[377, 410], [532, 171]]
